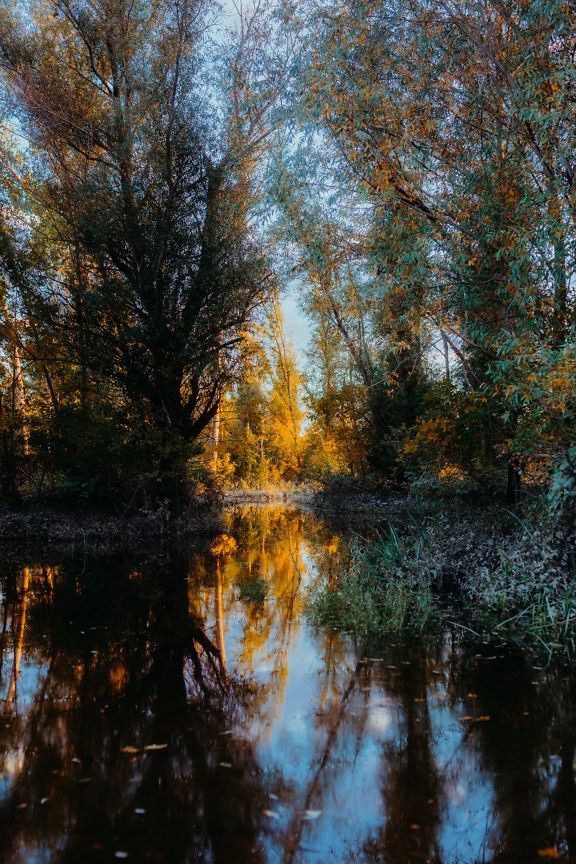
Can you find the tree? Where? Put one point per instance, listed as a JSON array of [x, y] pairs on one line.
[[451, 136], [263, 416], [284, 402], [151, 271]]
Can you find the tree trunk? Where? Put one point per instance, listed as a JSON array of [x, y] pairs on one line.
[[514, 485]]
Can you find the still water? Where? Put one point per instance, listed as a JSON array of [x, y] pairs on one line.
[[184, 711]]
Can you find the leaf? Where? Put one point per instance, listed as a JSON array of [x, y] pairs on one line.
[[156, 747], [311, 814], [271, 813], [130, 749], [549, 852]]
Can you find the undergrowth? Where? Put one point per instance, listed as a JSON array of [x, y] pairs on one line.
[[492, 574]]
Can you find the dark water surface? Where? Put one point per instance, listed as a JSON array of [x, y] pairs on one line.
[[124, 735]]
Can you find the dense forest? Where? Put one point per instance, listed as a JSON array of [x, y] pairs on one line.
[[168, 168]]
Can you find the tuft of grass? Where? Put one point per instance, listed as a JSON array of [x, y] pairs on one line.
[[376, 595]]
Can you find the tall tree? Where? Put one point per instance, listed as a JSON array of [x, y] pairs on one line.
[[152, 271], [451, 132]]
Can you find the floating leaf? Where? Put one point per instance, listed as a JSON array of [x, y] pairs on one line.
[[130, 749], [549, 852], [272, 814], [156, 747], [311, 814], [121, 854], [467, 717]]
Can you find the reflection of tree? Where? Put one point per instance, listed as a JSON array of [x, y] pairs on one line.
[[270, 542], [118, 659], [413, 786], [528, 746], [313, 791], [139, 679]]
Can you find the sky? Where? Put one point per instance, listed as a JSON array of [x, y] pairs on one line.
[[296, 325]]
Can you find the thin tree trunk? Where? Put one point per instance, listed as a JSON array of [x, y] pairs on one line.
[[20, 401], [446, 356]]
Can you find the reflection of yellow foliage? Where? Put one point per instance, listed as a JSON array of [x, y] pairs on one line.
[[118, 676], [223, 544], [333, 546]]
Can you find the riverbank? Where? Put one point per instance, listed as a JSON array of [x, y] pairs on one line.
[[47, 525], [409, 562], [100, 532], [482, 565]]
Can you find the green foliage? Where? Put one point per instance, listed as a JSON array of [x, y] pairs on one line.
[[562, 492], [137, 266], [418, 163], [428, 193]]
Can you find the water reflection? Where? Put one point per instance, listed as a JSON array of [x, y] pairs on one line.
[[182, 710]]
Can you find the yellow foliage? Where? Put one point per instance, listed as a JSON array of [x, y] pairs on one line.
[[451, 473]]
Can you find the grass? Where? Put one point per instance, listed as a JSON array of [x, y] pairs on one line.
[[376, 595]]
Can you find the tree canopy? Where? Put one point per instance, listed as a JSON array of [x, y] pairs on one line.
[[410, 164]]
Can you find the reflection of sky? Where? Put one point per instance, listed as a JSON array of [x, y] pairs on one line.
[[467, 824], [292, 735]]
